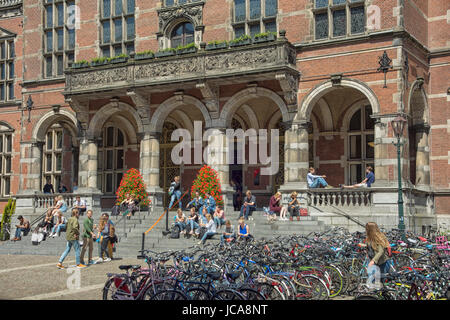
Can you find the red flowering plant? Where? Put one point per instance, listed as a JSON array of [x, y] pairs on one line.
[[207, 181], [132, 183]]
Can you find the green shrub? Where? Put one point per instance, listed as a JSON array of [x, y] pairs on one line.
[[123, 55], [99, 59], [264, 34], [8, 211], [146, 52]]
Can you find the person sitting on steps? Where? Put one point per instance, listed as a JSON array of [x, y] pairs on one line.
[[294, 207]]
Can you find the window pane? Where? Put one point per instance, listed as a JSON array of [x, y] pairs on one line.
[[106, 8], [321, 25], [8, 143], [71, 34], [355, 122], [255, 9], [2, 50], [1, 165], [1, 145], [119, 138], [2, 92], [130, 48], [7, 164], [321, 3], [7, 186], [182, 1], [57, 183], [339, 1], [100, 161], [118, 179], [60, 10], [117, 50], [49, 37], [58, 160], [60, 39], [254, 29], [49, 162], [59, 65], [59, 140], [2, 71], [49, 140], [339, 23], [369, 122], [110, 137], [109, 159], [270, 26], [10, 91], [355, 147], [130, 6], [175, 42], [355, 173], [130, 28], [12, 52], [106, 32], [11, 70], [118, 30], [370, 150], [169, 2], [106, 52], [239, 10], [109, 182], [357, 19], [271, 8], [49, 68], [118, 7], [49, 13], [119, 160]]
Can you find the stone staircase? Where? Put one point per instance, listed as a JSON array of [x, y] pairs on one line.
[[129, 233]]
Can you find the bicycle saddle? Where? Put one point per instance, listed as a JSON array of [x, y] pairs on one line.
[[129, 266], [234, 275]]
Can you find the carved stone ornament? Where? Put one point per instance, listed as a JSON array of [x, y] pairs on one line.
[[192, 11], [289, 85], [98, 77]]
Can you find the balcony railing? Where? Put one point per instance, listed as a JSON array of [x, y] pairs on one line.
[[339, 198], [237, 61]]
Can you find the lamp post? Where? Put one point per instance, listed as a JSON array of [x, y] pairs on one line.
[[398, 125]]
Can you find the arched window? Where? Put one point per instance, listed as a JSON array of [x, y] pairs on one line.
[[360, 143], [111, 159], [53, 155], [182, 34]]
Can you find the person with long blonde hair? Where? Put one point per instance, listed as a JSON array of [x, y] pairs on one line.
[[377, 247]]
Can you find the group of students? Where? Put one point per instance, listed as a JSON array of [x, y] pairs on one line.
[[103, 233]]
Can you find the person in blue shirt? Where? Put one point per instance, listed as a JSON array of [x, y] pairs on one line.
[[315, 181], [196, 203], [366, 183], [209, 203]]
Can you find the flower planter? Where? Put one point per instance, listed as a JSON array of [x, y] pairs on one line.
[[80, 65], [119, 60], [216, 46], [270, 37], [144, 56], [161, 54], [186, 51], [98, 63], [240, 43]]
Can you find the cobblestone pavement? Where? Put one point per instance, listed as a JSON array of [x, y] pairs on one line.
[[35, 277]]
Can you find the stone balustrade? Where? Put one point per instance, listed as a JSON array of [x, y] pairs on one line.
[[340, 198]]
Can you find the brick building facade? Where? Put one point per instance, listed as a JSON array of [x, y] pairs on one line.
[[318, 82]]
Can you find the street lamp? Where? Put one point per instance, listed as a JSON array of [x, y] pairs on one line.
[[398, 125]]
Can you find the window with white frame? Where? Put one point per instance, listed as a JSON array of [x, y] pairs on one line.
[[338, 18], [52, 152], [5, 162], [59, 37], [7, 55], [117, 27], [111, 159], [361, 150], [254, 16]]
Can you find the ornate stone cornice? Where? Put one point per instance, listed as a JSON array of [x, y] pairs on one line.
[[192, 10], [10, 8]]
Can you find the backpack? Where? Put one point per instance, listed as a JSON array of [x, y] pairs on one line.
[[36, 238], [175, 232], [171, 191]]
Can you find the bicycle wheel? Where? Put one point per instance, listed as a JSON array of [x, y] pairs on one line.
[[227, 294], [111, 292], [169, 295], [337, 281], [270, 292], [311, 287], [251, 294], [198, 293]]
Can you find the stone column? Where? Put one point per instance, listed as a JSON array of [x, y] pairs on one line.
[[422, 155], [216, 155], [296, 160], [149, 167]]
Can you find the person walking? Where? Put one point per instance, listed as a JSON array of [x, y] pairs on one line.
[[72, 236], [88, 237]]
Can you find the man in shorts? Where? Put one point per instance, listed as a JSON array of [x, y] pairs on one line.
[[366, 183]]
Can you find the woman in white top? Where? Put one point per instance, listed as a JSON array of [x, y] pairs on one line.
[[60, 207], [60, 225], [210, 229]]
